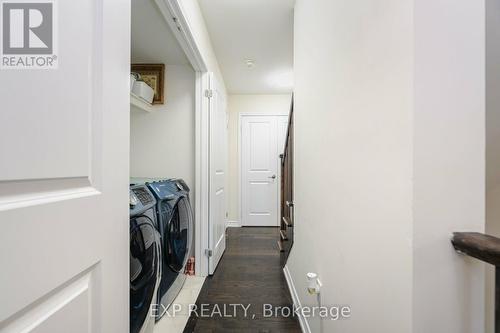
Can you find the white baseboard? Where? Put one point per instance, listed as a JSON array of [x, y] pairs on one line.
[[304, 325], [233, 224]]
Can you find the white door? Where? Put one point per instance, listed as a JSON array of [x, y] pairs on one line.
[[218, 169], [64, 136], [262, 140]]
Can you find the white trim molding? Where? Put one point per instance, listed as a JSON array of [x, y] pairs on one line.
[[202, 175], [233, 224], [304, 325], [176, 19]]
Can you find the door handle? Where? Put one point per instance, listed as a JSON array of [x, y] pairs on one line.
[[272, 177]]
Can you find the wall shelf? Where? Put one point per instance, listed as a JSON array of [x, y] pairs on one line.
[[140, 103]]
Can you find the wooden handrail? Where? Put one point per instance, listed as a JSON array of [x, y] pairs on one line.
[[286, 226], [288, 134], [485, 248], [477, 245]]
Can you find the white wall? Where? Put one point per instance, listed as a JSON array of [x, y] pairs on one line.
[[449, 163], [162, 143], [492, 145], [492, 95], [353, 155], [389, 161], [272, 104]]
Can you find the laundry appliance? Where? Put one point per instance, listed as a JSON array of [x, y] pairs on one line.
[[145, 259], [175, 221]]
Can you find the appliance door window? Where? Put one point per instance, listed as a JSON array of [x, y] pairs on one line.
[[143, 269], [178, 235]]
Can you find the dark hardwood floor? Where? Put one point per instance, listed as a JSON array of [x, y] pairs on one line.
[[249, 274]]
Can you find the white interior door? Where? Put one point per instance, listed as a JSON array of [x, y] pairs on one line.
[[261, 145], [64, 136], [218, 176]]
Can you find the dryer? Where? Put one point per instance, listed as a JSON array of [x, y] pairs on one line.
[[175, 221], [145, 259]]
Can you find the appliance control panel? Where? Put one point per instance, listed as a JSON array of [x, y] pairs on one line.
[[133, 199], [140, 198]]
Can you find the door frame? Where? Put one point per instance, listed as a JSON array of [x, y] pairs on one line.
[[242, 115], [175, 17]]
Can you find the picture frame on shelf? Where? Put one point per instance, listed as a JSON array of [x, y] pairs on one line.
[[154, 76]]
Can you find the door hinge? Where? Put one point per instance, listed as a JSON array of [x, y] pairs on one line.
[[209, 93], [209, 252]]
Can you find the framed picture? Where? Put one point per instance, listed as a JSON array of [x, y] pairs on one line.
[[154, 76]]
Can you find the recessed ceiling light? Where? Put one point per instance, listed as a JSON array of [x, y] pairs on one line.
[[250, 63]]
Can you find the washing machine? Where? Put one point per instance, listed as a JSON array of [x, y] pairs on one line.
[[145, 259], [175, 221]]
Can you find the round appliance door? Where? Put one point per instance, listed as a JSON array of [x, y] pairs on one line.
[[144, 268], [178, 236]]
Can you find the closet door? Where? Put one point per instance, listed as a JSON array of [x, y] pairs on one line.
[[64, 140], [218, 175]]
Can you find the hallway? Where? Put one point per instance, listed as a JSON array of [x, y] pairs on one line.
[[248, 274]]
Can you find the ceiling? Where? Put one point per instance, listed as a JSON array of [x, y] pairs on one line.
[[152, 39], [258, 30]]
